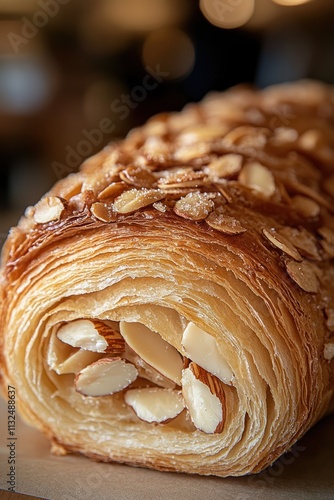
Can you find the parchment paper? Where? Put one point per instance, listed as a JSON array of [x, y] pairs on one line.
[[305, 473]]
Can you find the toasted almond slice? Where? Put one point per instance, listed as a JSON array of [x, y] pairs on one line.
[[327, 241], [201, 348], [195, 206], [161, 207], [283, 136], [77, 361], [309, 192], [311, 140], [329, 318], [103, 212], [104, 377], [186, 178], [282, 243], [153, 404], [303, 273], [303, 240], [202, 133], [258, 177], [329, 351], [92, 335], [247, 137], [155, 147], [225, 166], [114, 189], [192, 151], [305, 206], [225, 223], [63, 358], [153, 349], [48, 209], [138, 177], [204, 398], [134, 199], [147, 371]]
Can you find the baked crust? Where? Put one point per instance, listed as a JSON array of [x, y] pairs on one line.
[[221, 215]]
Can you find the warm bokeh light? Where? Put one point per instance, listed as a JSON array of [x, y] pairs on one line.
[[228, 13], [22, 6], [265, 13], [144, 15], [291, 2], [171, 50]]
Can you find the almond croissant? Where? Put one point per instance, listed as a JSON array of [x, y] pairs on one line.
[[171, 305]]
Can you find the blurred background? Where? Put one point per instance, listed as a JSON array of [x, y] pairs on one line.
[[76, 74]]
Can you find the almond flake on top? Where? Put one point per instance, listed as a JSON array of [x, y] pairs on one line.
[[195, 206]]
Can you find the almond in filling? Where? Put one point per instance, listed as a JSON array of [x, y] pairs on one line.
[[108, 358], [154, 404]]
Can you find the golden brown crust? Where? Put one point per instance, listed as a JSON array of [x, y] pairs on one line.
[[234, 195]]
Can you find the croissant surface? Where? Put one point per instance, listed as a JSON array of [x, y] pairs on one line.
[[171, 305]]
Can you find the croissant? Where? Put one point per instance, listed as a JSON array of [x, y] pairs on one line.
[[171, 305]]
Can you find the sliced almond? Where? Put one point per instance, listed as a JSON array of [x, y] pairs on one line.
[[201, 348], [258, 177], [92, 335], [153, 404], [134, 199], [63, 358], [247, 137], [153, 349], [204, 398], [224, 223], [309, 192], [303, 240], [191, 152], [184, 178], [282, 243], [303, 273], [155, 147], [147, 371], [225, 166], [329, 318], [155, 127], [114, 189], [305, 206], [48, 209], [77, 361], [222, 187], [327, 241], [138, 177], [329, 351], [202, 133], [161, 207], [311, 140], [103, 212], [195, 206], [283, 136], [105, 377]]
